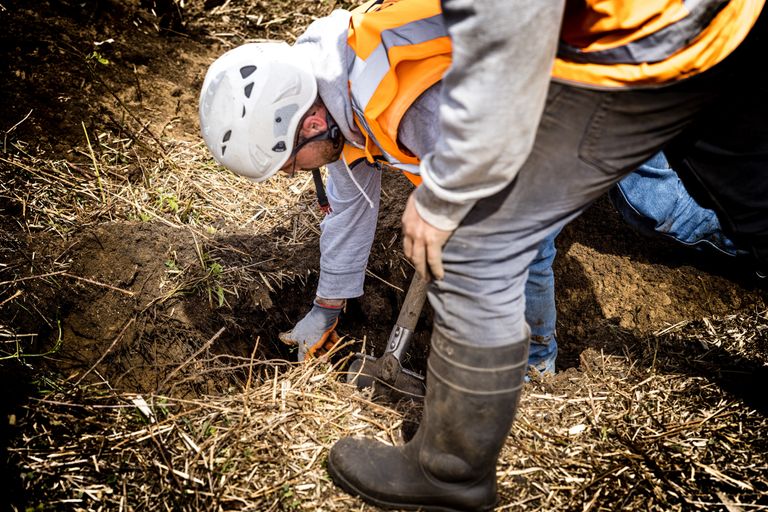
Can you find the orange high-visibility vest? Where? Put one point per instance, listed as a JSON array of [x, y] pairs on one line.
[[618, 43], [402, 48]]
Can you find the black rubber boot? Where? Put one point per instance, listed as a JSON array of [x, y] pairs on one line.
[[450, 464]]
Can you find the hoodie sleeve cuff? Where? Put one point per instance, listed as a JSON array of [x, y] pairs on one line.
[[340, 285], [439, 213]]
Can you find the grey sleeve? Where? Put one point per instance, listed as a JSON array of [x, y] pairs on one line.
[[347, 232], [492, 99]]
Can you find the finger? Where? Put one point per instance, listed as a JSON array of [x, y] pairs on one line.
[[302, 355], [286, 337], [435, 260], [419, 260], [407, 246]]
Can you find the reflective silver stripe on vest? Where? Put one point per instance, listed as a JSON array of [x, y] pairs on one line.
[[361, 118], [655, 47], [411, 168], [393, 162], [366, 75]]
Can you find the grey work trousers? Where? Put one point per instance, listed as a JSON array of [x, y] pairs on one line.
[[715, 128]]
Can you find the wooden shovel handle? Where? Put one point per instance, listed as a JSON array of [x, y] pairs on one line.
[[414, 301]]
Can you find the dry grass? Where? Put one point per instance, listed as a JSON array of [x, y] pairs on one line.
[[237, 21], [659, 425], [179, 187], [625, 432], [259, 448]]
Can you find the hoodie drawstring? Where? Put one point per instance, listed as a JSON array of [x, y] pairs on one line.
[[349, 171]]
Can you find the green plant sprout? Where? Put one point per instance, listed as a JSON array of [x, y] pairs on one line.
[[20, 355], [98, 58]]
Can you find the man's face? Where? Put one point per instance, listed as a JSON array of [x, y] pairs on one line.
[[311, 156]]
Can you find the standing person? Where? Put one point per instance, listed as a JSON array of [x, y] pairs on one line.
[[304, 90], [519, 157]]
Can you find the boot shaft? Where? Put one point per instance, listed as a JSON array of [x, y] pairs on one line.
[[450, 464], [472, 395]]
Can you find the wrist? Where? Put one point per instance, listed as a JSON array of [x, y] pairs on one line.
[[330, 303]]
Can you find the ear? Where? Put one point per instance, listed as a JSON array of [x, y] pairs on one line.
[[314, 123]]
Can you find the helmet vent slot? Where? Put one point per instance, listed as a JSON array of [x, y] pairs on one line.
[[223, 149], [243, 114], [227, 136], [279, 147], [248, 90], [283, 118], [247, 71]]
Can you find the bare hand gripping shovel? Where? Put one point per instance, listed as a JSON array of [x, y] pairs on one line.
[[386, 373]]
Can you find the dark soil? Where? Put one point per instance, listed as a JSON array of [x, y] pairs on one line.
[[133, 333], [608, 277]]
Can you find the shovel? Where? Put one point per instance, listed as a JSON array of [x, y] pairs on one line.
[[386, 373]]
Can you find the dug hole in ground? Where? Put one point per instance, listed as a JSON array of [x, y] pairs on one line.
[[142, 289]]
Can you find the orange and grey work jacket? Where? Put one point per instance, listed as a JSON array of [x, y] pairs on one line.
[[402, 48], [631, 43]]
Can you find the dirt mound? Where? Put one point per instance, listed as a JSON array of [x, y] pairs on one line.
[[610, 278], [122, 76], [129, 261]]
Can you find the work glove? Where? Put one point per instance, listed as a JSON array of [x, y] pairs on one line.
[[314, 335]]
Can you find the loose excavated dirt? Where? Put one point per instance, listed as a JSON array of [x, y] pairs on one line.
[[130, 264]]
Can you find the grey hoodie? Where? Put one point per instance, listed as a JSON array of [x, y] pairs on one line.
[[492, 99], [347, 233]]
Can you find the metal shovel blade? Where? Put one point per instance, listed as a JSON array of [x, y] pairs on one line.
[[385, 376]]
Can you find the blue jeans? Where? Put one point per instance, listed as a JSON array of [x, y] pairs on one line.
[[654, 201], [540, 311]]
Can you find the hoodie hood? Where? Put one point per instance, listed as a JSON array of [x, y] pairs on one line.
[[325, 43]]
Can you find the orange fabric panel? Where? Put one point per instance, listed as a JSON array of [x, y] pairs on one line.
[[599, 24], [429, 70], [366, 28], [352, 154], [413, 69], [716, 42], [413, 178]]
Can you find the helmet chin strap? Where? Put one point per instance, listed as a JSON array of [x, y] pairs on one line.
[[333, 133]]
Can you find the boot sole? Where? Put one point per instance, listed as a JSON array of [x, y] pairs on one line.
[[351, 489]]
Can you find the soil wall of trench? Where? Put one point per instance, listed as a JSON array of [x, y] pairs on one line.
[[136, 303]]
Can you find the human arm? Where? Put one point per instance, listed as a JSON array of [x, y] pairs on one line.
[[347, 232], [345, 242], [492, 100]]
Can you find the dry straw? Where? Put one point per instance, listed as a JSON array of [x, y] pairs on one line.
[[625, 433], [672, 421]]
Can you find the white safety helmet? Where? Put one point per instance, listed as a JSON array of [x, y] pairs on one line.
[[251, 104]]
